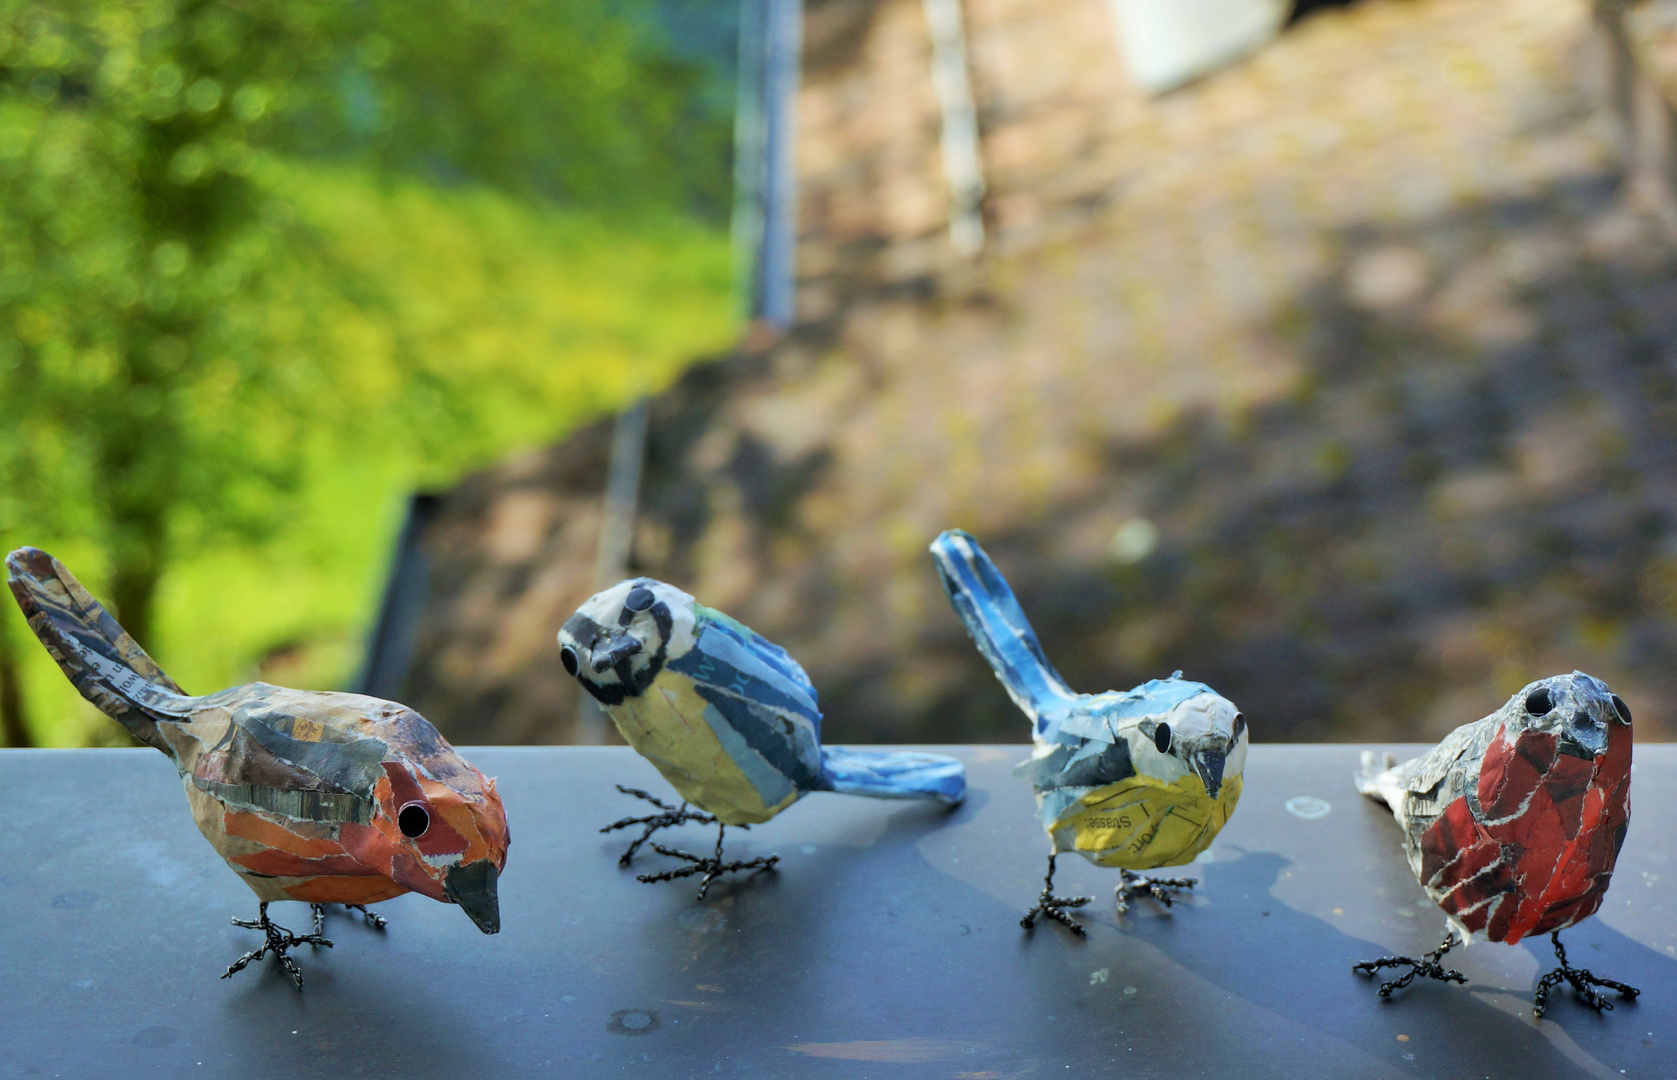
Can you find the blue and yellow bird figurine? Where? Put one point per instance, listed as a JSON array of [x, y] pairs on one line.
[[1137, 780], [726, 716]]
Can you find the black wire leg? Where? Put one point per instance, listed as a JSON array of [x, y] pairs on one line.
[[279, 941], [670, 817], [1581, 980], [711, 868], [1426, 969], [1053, 907], [377, 922], [1132, 885]]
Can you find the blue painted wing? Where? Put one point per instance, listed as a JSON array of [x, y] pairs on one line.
[[1000, 630], [762, 696]]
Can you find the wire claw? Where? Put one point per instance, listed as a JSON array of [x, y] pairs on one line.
[[1430, 968], [1132, 885], [1581, 979], [1053, 907], [669, 817], [373, 920], [279, 942], [711, 868]]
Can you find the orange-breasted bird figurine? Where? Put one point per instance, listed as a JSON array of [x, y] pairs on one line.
[[313, 796], [1513, 823]]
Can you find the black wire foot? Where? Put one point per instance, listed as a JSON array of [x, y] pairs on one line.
[[670, 817], [1053, 907], [711, 868], [376, 922], [279, 941], [1132, 885], [1581, 980], [1426, 969]]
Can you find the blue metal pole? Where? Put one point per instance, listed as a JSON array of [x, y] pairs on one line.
[[765, 190]]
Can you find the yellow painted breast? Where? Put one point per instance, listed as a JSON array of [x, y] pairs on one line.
[[667, 726], [1142, 823]]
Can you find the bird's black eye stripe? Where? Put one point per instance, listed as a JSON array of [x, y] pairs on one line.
[[413, 821], [567, 656], [1239, 724], [1539, 701], [1621, 708], [1161, 738], [639, 599]]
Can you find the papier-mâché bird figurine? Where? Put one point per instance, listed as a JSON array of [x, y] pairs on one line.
[[319, 797], [1137, 780], [726, 716], [1512, 824]]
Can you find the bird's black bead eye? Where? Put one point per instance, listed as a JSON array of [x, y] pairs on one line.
[[1621, 708], [639, 599], [567, 656], [1239, 724], [413, 821], [1161, 738], [1539, 702]]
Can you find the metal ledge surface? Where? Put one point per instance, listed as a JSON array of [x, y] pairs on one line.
[[886, 944]]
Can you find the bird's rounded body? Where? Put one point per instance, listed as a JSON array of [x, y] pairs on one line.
[[1105, 789], [1144, 823], [1514, 822], [676, 729], [284, 784]]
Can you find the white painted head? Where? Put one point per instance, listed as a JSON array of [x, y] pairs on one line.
[[618, 642]]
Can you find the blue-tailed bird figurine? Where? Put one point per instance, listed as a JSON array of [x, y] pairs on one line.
[[1138, 780], [728, 718]]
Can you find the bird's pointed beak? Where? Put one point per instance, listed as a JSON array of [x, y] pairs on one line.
[[619, 646], [1208, 766], [473, 887], [1584, 738]]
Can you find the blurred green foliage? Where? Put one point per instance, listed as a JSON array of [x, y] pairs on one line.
[[266, 265]]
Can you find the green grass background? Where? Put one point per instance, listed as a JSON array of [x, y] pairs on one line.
[[557, 316]]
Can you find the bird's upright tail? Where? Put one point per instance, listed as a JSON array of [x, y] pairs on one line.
[[998, 625], [900, 774], [1376, 777], [106, 665]]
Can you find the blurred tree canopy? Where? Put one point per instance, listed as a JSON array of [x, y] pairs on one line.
[[215, 222], [559, 100]]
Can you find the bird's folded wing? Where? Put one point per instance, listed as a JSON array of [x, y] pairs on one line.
[[1423, 774]]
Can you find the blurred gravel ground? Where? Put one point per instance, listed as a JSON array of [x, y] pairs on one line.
[[1344, 380]]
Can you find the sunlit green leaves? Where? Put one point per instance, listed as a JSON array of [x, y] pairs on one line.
[[266, 264]]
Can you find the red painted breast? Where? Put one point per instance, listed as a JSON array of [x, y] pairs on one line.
[[1540, 854]]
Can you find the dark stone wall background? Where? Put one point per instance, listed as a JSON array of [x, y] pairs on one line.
[[1344, 380]]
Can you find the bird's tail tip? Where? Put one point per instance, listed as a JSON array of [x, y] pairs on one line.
[[894, 774], [95, 653], [949, 537], [1372, 772]]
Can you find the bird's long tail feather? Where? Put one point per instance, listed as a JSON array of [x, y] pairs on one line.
[[898, 774], [106, 665], [997, 624]]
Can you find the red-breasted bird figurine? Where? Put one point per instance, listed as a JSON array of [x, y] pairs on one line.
[[1513, 823], [321, 797]]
